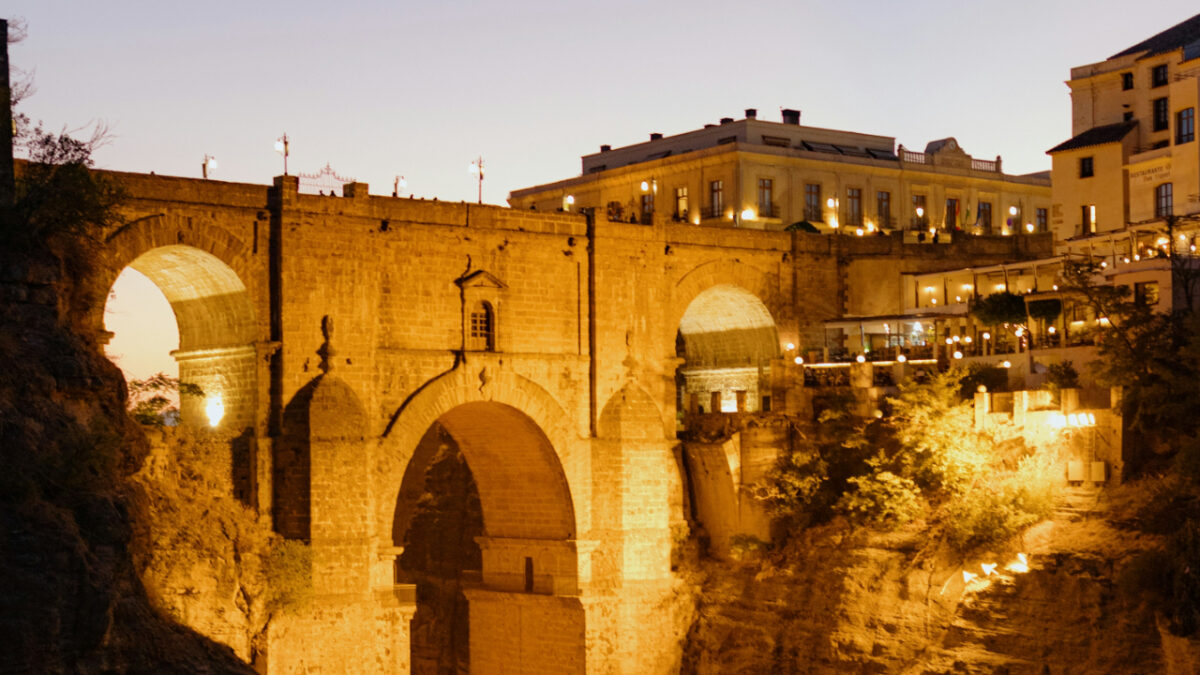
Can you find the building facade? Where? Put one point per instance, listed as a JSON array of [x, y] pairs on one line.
[[757, 174]]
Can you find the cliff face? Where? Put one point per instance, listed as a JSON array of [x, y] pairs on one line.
[[72, 600], [838, 601]]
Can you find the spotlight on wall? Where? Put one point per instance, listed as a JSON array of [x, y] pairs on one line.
[[215, 410]]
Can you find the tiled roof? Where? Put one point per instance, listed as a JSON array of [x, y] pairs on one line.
[[1109, 133], [1176, 37]]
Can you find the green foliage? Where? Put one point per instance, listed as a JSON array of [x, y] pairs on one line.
[[1154, 356], [999, 308], [149, 401], [288, 573], [925, 460], [881, 498], [747, 545], [1047, 310], [61, 203], [994, 378], [1061, 375]]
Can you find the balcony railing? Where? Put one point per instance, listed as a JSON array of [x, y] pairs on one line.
[[768, 211], [711, 212]]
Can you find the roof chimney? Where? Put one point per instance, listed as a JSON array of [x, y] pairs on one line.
[[726, 120], [751, 113], [605, 148], [656, 137], [791, 116]]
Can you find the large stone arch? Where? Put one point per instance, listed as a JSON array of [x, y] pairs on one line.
[[203, 274], [457, 397], [763, 284]]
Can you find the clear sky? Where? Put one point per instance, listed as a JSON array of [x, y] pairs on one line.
[[419, 89]]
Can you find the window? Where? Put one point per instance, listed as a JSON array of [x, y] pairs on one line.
[[985, 217], [1158, 76], [483, 328], [681, 203], [854, 214], [766, 198], [1086, 167], [883, 208], [1126, 81], [1185, 125], [951, 220], [1160, 114], [1087, 219], [812, 202], [716, 199], [1146, 292], [647, 208], [1163, 200], [920, 216], [1042, 221]]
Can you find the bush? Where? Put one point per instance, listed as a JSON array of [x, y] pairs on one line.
[[882, 498], [994, 378], [1061, 375], [288, 573]]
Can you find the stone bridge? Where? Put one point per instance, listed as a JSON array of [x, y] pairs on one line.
[[336, 332]]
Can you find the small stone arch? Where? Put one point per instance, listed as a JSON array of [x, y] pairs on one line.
[[203, 274]]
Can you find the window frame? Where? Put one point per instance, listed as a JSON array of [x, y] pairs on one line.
[[481, 327], [812, 203], [681, 203], [1087, 166], [1161, 113], [1185, 126], [1164, 200], [1159, 77], [883, 208], [1126, 81], [716, 198], [854, 209], [766, 188], [985, 222], [1041, 219]]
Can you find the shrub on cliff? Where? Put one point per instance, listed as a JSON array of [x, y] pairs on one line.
[[925, 460]]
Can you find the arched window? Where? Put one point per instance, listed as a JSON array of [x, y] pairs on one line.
[[482, 330]]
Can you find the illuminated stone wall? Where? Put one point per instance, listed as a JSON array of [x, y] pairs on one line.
[[568, 425]]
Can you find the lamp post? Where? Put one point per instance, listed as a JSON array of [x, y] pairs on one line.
[[281, 146], [209, 162], [477, 168]]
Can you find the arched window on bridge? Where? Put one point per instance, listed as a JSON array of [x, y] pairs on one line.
[[482, 336]]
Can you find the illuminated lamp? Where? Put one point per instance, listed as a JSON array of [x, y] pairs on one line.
[[1012, 210], [570, 199], [799, 360], [214, 408], [645, 186], [860, 358], [1029, 227], [858, 231], [1006, 364], [986, 335], [958, 354], [748, 214], [901, 358]]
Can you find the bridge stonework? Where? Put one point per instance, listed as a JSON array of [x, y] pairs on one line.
[[337, 330]]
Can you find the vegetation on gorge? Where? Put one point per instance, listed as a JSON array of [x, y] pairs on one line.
[[925, 460]]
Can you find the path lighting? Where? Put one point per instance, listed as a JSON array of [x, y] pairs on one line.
[[860, 358], [215, 409], [1020, 566], [988, 569], [282, 147], [968, 576], [476, 168], [209, 164]]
